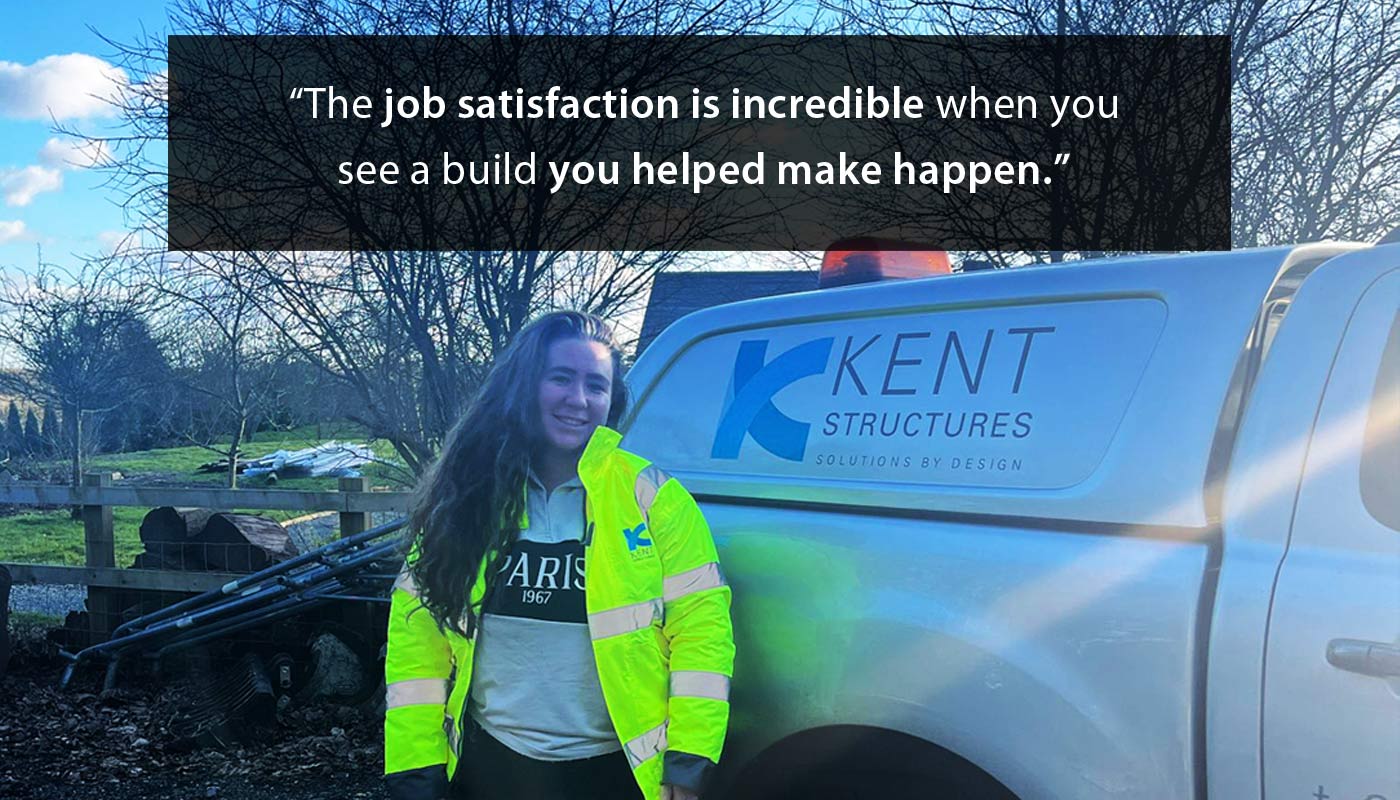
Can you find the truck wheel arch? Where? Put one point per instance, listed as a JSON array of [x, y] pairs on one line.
[[858, 761]]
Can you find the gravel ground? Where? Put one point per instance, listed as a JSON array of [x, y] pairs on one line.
[[54, 600]]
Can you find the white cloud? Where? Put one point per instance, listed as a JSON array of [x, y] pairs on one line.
[[69, 86], [111, 240], [20, 185], [74, 153], [119, 242], [11, 230]]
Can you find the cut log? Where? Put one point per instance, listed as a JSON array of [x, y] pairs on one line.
[[244, 543], [169, 524], [206, 540]]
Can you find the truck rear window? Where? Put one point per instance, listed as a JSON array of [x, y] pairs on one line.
[[1380, 455]]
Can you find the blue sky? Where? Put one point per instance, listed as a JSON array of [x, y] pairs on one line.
[[51, 55], [52, 59]]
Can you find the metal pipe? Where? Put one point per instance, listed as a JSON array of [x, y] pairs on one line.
[[242, 605], [232, 624], [233, 587], [360, 598], [282, 585], [286, 592], [297, 605], [293, 586], [300, 598]]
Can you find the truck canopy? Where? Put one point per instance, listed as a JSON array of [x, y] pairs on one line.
[[1094, 391]]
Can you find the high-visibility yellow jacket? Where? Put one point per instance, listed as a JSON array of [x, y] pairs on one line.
[[658, 614]]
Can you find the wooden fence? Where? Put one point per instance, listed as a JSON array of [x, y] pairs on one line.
[[99, 494]]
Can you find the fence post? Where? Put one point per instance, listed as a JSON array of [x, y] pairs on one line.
[[98, 539], [353, 522], [100, 545], [358, 615]]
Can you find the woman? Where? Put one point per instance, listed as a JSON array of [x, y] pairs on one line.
[[561, 627]]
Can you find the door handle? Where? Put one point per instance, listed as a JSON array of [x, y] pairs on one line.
[[1377, 659]]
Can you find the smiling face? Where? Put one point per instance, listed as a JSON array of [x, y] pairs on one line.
[[575, 395]]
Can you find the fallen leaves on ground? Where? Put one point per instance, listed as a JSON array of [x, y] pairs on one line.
[[119, 744]]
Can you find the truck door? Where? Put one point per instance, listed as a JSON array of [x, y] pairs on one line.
[[1331, 723]]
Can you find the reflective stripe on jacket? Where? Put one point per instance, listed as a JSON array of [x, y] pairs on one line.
[[658, 614]]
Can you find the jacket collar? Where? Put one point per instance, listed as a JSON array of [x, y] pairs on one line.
[[601, 446]]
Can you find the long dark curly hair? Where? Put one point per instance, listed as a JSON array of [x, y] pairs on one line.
[[469, 503]]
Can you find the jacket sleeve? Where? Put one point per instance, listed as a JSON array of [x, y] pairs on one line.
[[416, 671], [701, 636]]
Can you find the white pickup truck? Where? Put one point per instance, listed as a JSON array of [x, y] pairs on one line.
[[1117, 529]]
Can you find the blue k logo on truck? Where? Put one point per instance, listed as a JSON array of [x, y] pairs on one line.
[[749, 409]]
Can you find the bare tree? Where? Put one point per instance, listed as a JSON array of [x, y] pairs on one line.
[[411, 333], [226, 352], [1317, 129], [83, 344], [1315, 142]]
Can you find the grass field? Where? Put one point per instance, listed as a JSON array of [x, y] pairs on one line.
[[54, 537], [23, 621], [178, 464]]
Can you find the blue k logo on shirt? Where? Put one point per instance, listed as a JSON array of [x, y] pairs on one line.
[[750, 410], [634, 537]]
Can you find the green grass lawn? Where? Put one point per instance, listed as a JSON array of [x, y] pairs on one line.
[[29, 619], [178, 464], [54, 537]]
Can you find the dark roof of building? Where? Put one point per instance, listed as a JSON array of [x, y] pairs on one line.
[[675, 294]]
